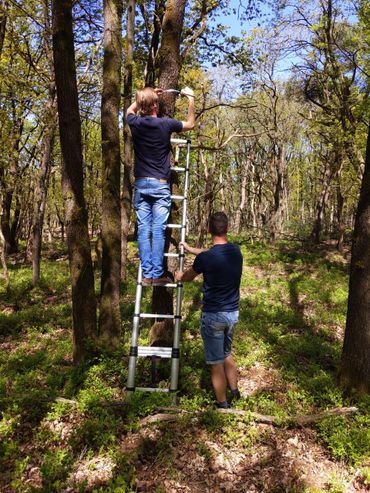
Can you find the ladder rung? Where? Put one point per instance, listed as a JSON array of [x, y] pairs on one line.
[[179, 141], [177, 197], [151, 389], [177, 168], [155, 315], [160, 352], [174, 226]]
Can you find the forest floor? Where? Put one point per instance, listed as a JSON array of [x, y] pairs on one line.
[[287, 347]]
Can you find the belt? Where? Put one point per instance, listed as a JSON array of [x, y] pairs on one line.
[[162, 180]]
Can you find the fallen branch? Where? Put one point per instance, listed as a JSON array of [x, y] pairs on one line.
[[300, 420], [312, 418], [66, 401]]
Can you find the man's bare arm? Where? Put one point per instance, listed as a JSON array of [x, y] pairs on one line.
[[190, 122], [186, 276], [132, 109], [193, 250]]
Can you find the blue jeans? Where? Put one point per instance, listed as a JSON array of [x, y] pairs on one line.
[[152, 203], [217, 331]]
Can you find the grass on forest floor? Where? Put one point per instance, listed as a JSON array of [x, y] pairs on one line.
[[292, 317]]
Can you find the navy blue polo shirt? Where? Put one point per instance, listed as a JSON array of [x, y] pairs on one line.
[[151, 138], [221, 267]]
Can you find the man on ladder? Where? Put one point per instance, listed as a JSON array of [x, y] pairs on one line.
[[152, 198]]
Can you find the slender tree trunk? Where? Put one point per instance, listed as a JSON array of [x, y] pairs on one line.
[[355, 367], [82, 277], [206, 201], [40, 197], [276, 216], [240, 209], [110, 316], [322, 202], [150, 69], [3, 20], [339, 214], [126, 197], [47, 151], [222, 191], [252, 201]]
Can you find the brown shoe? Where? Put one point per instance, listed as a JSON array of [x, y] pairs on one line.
[[146, 282], [161, 281]]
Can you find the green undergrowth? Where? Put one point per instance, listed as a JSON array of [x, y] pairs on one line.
[[287, 347]]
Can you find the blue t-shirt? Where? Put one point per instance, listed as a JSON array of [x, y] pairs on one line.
[[151, 138], [221, 267]]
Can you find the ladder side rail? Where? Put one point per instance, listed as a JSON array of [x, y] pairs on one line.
[[135, 334], [175, 361]]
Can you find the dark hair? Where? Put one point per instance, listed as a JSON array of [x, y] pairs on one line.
[[218, 223]]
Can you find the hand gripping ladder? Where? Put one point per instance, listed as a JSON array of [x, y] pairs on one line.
[[153, 351]]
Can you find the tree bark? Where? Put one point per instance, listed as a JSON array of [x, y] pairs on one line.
[[3, 20], [81, 270], [150, 69], [322, 202], [169, 60], [109, 315], [41, 188], [169, 65], [355, 367], [280, 171], [126, 198], [243, 195]]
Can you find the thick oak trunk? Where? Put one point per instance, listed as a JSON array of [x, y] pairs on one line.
[[81, 270], [169, 65], [355, 367], [109, 315]]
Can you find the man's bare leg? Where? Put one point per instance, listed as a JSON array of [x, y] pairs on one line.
[[219, 381], [231, 372]]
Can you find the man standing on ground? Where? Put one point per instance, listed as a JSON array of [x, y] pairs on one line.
[[221, 267], [152, 197]]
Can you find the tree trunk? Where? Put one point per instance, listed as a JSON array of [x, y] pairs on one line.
[[276, 216], [109, 315], [40, 197], [47, 151], [9, 178], [322, 202], [169, 60], [81, 270], [207, 200], [126, 198], [169, 64], [150, 69], [355, 367], [3, 20], [239, 212]]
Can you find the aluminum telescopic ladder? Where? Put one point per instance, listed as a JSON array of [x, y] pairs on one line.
[[155, 351]]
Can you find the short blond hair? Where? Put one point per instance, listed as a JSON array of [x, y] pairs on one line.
[[146, 99]]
